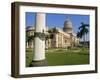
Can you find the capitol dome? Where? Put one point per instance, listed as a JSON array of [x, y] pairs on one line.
[[68, 26]]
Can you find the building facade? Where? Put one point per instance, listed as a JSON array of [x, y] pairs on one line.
[[63, 38]]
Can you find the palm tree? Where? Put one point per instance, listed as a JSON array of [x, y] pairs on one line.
[[47, 37], [52, 32], [83, 30]]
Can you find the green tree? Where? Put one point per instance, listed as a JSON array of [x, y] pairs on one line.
[[29, 38], [83, 30], [47, 37], [52, 32]]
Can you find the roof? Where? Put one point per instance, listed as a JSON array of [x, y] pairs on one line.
[[68, 24], [30, 28]]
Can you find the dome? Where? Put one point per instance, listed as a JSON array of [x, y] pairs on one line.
[[68, 26]]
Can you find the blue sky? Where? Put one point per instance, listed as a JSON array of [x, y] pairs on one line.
[[57, 20]]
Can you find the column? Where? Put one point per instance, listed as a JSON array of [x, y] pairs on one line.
[[39, 44], [39, 47], [39, 41]]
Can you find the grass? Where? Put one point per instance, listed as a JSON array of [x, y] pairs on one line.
[[62, 56]]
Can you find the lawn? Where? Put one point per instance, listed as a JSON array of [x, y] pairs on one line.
[[62, 56]]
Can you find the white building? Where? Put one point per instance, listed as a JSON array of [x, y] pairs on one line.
[[64, 38]]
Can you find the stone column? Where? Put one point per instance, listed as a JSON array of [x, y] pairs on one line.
[[39, 52], [39, 45]]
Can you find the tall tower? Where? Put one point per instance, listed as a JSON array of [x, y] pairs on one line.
[[68, 26]]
